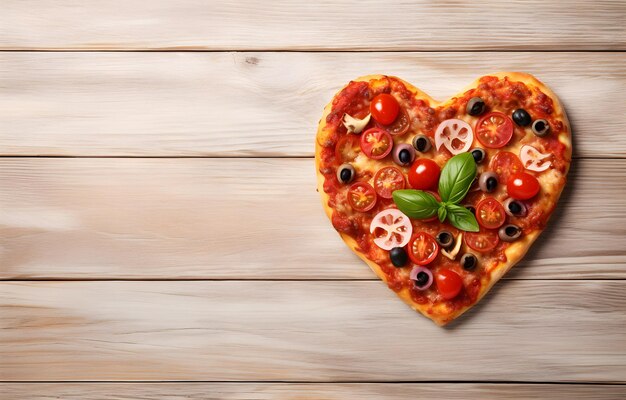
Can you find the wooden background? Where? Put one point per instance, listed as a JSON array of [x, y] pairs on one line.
[[160, 233]]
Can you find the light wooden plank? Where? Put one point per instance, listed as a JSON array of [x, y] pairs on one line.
[[534, 331], [327, 391], [244, 219], [285, 24], [259, 104]]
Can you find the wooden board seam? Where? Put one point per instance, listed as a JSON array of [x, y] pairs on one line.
[[330, 382], [270, 50], [44, 279]]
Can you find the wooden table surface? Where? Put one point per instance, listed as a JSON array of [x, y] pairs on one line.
[[160, 232]]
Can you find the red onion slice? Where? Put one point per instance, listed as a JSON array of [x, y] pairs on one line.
[[416, 270]]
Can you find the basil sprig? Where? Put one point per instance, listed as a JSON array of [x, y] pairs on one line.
[[416, 203], [454, 183], [457, 177], [462, 218]]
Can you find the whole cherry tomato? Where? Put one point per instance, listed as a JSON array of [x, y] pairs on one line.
[[449, 283], [384, 108], [522, 186], [424, 174]]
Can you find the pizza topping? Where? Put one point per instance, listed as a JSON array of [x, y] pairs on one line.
[[347, 149], [479, 155], [469, 262], [401, 125], [398, 256], [494, 130], [490, 213], [475, 106], [424, 174], [541, 128], [521, 117], [461, 218], [445, 239], [392, 229], [452, 253], [361, 196], [403, 154], [422, 277], [421, 143], [533, 160], [514, 208], [437, 205], [345, 173], [505, 164], [355, 125], [342, 223], [522, 186], [457, 177], [483, 241], [509, 233], [455, 135], [417, 204], [423, 248], [384, 108], [449, 283], [387, 180], [376, 143], [488, 181]]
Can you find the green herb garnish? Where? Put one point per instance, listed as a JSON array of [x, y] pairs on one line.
[[454, 183], [416, 203]]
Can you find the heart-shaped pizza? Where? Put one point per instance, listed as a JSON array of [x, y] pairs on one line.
[[442, 199]]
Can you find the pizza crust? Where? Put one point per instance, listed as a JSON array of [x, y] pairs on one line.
[[514, 252]]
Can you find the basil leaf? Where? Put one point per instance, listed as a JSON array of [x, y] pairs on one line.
[[457, 177], [442, 212], [461, 218], [416, 203]]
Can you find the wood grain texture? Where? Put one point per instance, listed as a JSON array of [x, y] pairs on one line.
[[244, 219], [298, 25], [327, 391], [559, 317], [259, 104], [306, 331]]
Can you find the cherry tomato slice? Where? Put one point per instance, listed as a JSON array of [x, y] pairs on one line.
[[384, 108], [387, 180], [504, 164], [522, 186], [424, 174], [482, 241], [490, 213], [494, 130], [401, 125], [423, 248], [347, 149], [376, 143], [362, 196], [449, 283]]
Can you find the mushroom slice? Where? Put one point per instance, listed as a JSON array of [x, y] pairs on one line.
[[355, 125], [533, 159], [455, 251]]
